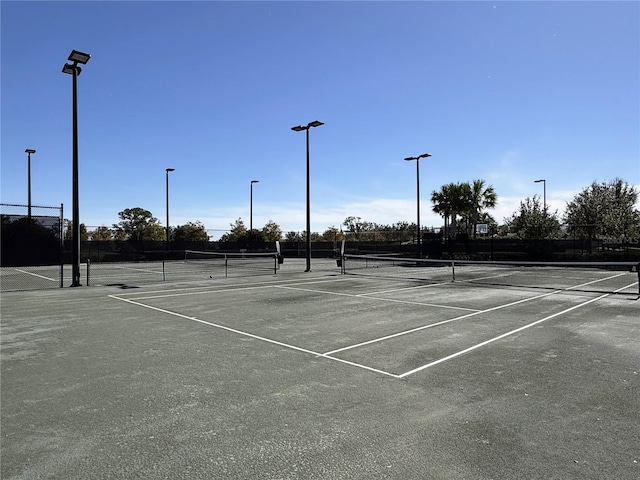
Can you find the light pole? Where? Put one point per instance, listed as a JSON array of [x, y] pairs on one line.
[[417, 159], [29, 151], [300, 128], [74, 70], [251, 206], [544, 192], [166, 171]]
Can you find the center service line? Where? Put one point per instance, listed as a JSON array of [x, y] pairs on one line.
[[250, 335]]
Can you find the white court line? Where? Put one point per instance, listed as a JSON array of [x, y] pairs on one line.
[[367, 295], [417, 329], [407, 288], [36, 275], [462, 352], [512, 332], [219, 288], [251, 335], [478, 312]]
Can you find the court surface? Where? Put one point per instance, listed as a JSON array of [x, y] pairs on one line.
[[319, 376]]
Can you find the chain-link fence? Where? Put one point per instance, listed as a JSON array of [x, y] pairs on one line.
[[31, 251]]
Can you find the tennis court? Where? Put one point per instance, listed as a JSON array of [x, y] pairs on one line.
[[323, 375]]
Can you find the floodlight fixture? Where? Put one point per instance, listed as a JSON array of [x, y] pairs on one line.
[[79, 57], [424, 155], [29, 150], [71, 69]]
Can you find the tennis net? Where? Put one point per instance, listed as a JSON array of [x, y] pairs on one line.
[[600, 277], [230, 263]]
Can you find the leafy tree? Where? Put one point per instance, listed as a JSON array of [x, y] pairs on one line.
[[190, 232], [332, 234], [271, 232], [118, 233], [293, 236], [238, 232], [100, 234], [605, 210], [533, 222], [68, 233], [360, 229], [139, 224]]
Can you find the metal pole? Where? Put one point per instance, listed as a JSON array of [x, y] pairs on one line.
[[168, 229], [76, 200], [29, 185], [251, 209], [544, 192], [308, 211], [418, 249], [167, 198]]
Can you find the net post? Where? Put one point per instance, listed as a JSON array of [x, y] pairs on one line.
[[88, 272], [638, 272], [226, 265], [453, 270], [164, 279]]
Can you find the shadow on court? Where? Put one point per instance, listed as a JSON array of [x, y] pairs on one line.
[[319, 376]]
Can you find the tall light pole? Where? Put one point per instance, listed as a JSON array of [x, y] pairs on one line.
[[544, 187], [417, 159], [166, 171], [29, 151], [74, 70], [300, 128], [251, 206]]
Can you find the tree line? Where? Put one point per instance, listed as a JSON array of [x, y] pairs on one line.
[[601, 210]]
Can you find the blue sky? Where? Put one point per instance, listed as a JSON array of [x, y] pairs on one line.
[[508, 92]]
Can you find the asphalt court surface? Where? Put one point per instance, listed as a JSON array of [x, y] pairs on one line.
[[319, 375]]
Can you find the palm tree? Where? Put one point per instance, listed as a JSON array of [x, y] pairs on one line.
[[452, 200], [460, 197], [481, 198], [442, 206]]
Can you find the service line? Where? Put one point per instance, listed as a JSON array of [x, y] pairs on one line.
[[251, 335]]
